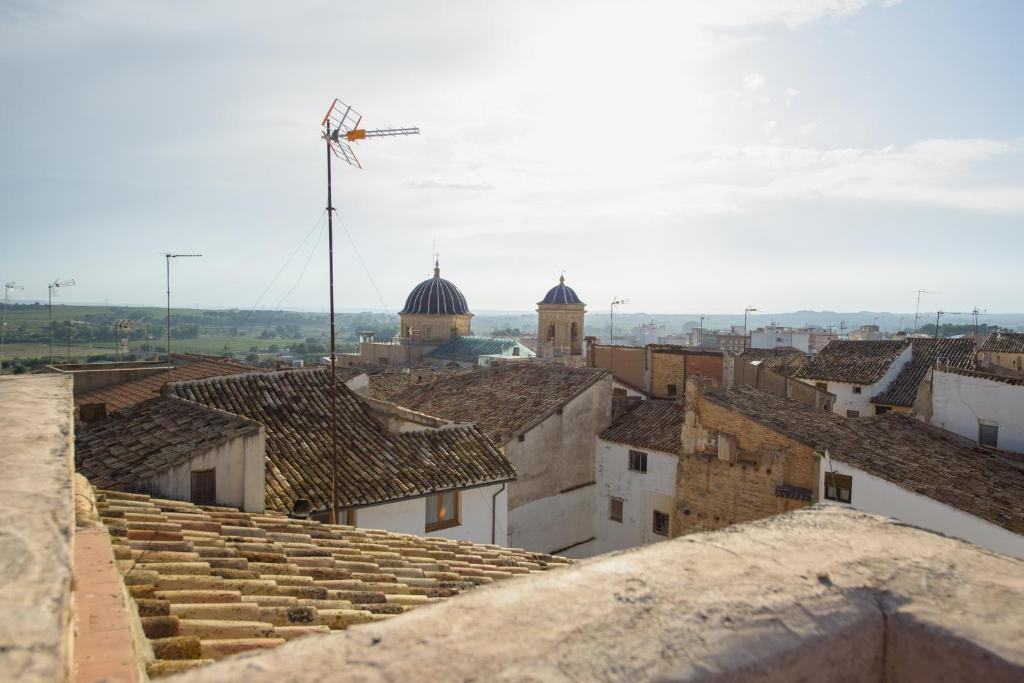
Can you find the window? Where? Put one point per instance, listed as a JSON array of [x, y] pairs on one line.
[[348, 517], [615, 509], [515, 350], [838, 487], [428, 333], [660, 523], [551, 331], [618, 392], [852, 413], [671, 389], [988, 434], [856, 390], [443, 511], [204, 487], [453, 333], [637, 461], [573, 332], [882, 410]]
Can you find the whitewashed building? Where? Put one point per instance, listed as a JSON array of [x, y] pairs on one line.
[[774, 337], [984, 407], [637, 463], [855, 371]]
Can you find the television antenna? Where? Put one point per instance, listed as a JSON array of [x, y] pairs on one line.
[[8, 287], [168, 256], [340, 129], [49, 305], [917, 311], [939, 314], [121, 328]]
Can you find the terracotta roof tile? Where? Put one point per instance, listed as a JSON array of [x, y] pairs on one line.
[[387, 384], [982, 482], [948, 353], [209, 582], [503, 401], [853, 362], [653, 424], [1004, 342], [374, 465]]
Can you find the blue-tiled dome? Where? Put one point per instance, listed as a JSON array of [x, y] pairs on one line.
[[561, 294], [436, 296]]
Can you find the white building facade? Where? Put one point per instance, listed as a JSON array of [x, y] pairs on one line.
[[633, 484], [773, 337], [985, 409], [854, 400]]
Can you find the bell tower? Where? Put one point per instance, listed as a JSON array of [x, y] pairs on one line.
[[560, 323]]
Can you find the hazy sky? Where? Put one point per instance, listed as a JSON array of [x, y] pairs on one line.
[[690, 156]]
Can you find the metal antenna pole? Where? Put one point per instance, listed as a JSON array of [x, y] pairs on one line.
[[168, 256], [334, 355], [49, 310], [8, 286]]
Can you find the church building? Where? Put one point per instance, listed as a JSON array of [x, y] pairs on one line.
[[560, 323]]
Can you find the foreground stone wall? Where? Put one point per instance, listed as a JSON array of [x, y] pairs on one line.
[[820, 594]]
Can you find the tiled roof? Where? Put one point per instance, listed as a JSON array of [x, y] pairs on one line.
[[149, 437], [770, 357], [653, 424], [853, 362], [210, 582], [469, 349], [374, 465], [561, 294], [504, 401], [186, 366], [1004, 342], [386, 384], [900, 450], [436, 296], [925, 352]]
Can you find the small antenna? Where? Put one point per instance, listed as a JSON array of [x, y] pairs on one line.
[[8, 288], [56, 284]]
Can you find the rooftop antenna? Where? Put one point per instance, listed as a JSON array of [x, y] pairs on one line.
[[8, 286], [168, 256], [939, 314], [120, 328], [340, 129], [917, 311], [976, 312], [49, 306]]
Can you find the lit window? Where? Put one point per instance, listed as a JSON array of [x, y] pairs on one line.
[[637, 461], [615, 509], [204, 487], [660, 523], [838, 487], [443, 511], [988, 434]]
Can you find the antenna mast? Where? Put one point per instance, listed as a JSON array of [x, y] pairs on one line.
[[49, 306], [340, 128], [8, 286], [168, 256]]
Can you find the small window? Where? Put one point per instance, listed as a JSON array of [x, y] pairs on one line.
[[551, 332], [615, 509], [660, 523], [515, 350], [637, 461], [453, 333], [428, 333], [443, 511], [988, 434], [671, 389], [839, 487], [618, 392], [204, 487], [852, 413], [856, 390], [522, 437], [882, 410]]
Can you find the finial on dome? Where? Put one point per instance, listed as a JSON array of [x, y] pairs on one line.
[[561, 279], [437, 267]]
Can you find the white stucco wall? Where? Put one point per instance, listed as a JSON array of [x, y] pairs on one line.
[[876, 495], [410, 516], [773, 339], [959, 402], [565, 520], [641, 492], [239, 464], [847, 400]]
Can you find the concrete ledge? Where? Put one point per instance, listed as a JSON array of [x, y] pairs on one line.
[[37, 520], [819, 594]]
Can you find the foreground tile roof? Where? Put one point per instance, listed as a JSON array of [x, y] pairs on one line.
[[982, 482], [853, 362], [384, 385], [1004, 342], [374, 465], [653, 424], [210, 582], [948, 353], [469, 349], [150, 437], [186, 366], [504, 401]]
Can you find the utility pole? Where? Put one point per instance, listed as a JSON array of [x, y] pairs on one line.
[[700, 339], [341, 128], [8, 286], [168, 256], [917, 311], [49, 306]]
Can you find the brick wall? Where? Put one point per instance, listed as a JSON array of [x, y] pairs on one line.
[[625, 362], [674, 367]]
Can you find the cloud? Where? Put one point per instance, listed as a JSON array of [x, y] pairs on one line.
[[753, 82], [448, 184]]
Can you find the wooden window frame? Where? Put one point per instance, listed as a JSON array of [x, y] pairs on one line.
[[456, 519], [641, 459], [981, 427], [839, 480], [612, 500], [212, 472], [654, 523]]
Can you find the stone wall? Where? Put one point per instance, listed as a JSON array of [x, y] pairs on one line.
[[675, 366]]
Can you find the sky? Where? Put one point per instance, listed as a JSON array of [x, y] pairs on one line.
[[685, 156]]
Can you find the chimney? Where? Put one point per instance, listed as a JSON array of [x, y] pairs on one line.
[[92, 412]]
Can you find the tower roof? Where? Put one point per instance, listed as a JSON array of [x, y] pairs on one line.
[[561, 294], [436, 296]]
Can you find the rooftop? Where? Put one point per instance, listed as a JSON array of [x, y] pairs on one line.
[[1004, 342], [948, 353], [853, 362], [375, 466], [994, 374], [436, 296], [469, 349], [503, 401], [977, 480], [560, 294], [384, 385], [653, 424]]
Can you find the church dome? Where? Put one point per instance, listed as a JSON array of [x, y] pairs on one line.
[[436, 296], [561, 294]]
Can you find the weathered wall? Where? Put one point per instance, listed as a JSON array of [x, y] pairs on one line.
[[959, 402], [562, 316], [37, 523], [625, 362], [641, 493], [434, 328], [562, 524], [674, 367], [410, 516], [88, 378], [1010, 361]]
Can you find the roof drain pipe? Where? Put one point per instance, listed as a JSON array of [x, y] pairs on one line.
[[494, 511]]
